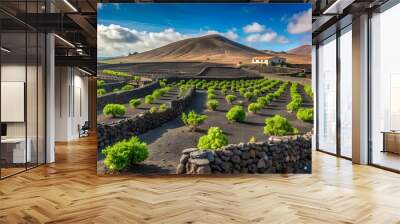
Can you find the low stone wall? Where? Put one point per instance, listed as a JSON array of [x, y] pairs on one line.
[[110, 86], [108, 134], [289, 154], [124, 96], [210, 78], [271, 69]]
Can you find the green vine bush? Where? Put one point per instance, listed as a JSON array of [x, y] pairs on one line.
[[115, 110], [101, 92], [193, 120], [214, 139], [212, 104], [125, 153], [236, 113], [230, 98], [134, 103], [305, 114], [254, 107], [279, 126]]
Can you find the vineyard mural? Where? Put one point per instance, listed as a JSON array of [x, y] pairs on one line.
[[201, 89]]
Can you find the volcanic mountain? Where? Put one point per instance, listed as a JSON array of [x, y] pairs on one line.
[[210, 48], [298, 55], [302, 50]]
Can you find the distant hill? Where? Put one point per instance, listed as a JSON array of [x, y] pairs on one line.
[[302, 50], [103, 58], [298, 55], [212, 48], [273, 52]]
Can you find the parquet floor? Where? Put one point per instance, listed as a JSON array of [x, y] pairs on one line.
[[69, 191]]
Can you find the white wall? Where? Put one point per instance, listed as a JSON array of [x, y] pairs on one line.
[[80, 112], [71, 102], [12, 73], [62, 81], [33, 126]]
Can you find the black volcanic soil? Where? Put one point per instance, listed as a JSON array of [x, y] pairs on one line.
[[167, 141]]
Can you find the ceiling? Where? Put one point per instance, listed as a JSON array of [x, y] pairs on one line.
[[330, 15], [73, 21]]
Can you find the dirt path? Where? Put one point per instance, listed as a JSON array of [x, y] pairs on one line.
[[167, 142]]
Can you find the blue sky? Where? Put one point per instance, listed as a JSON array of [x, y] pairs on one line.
[[127, 27]]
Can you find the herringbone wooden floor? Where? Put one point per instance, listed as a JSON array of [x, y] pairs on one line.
[[69, 191]]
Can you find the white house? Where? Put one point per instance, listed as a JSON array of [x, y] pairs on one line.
[[268, 60]]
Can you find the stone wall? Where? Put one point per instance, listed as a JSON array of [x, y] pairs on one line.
[[124, 96], [210, 78], [110, 86], [108, 134], [289, 154], [271, 69]]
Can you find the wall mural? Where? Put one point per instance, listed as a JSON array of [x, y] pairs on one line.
[[204, 88]]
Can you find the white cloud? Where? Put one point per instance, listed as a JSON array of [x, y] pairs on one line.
[[212, 32], [118, 33], [254, 28], [253, 38], [300, 23], [265, 37], [115, 40], [282, 40], [270, 36], [259, 33], [230, 34], [99, 6]]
